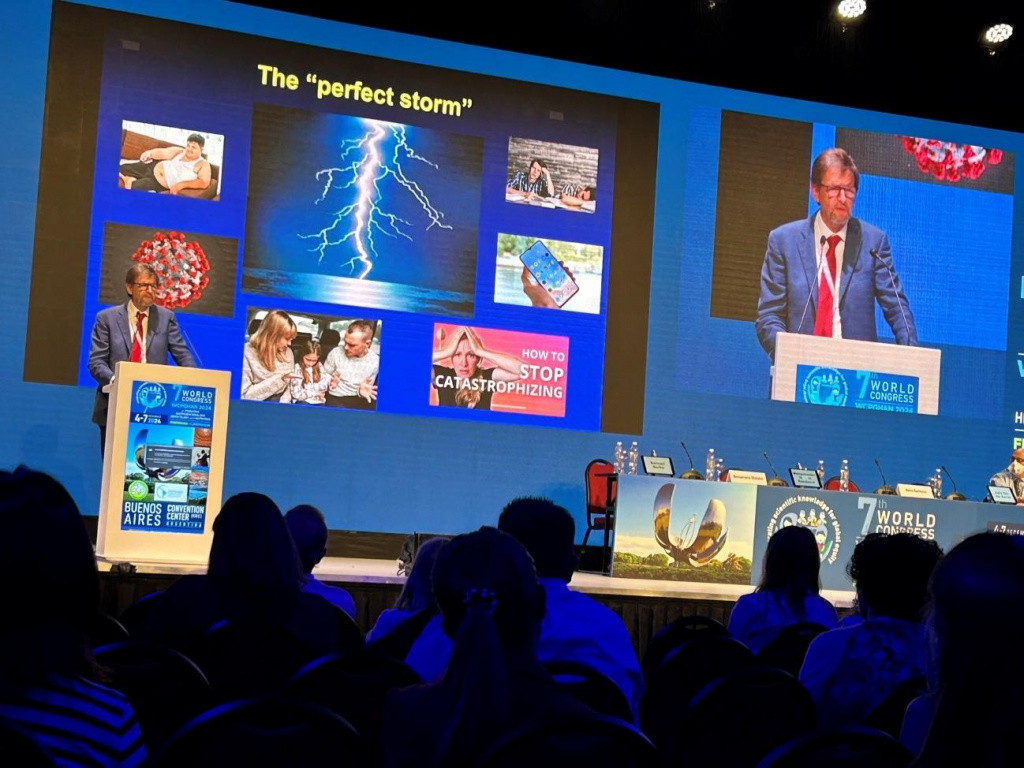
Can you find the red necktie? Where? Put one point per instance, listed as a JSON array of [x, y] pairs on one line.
[[137, 339], [823, 317]]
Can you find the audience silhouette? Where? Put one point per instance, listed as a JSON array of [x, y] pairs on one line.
[[49, 592]]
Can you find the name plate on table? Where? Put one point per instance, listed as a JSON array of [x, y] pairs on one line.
[[747, 478], [847, 388], [659, 466], [911, 491]]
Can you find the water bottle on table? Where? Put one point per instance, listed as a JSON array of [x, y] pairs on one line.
[[844, 476]]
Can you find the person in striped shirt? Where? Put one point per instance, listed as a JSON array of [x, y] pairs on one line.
[[49, 595], [577, 194], [533, 182]]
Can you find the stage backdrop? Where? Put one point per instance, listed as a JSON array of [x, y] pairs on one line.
[[669, 273]]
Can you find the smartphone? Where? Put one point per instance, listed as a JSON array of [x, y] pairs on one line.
[[551, 275]]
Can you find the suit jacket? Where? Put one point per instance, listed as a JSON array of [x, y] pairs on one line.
[[112, 342], [789, 289]]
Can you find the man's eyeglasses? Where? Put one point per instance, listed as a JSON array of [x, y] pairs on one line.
[[145, 286], [834, 191]]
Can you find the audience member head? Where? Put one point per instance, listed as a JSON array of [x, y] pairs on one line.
[[977, 625], [492, 606], [308, 528], [418, 593], [252, 554], [547, 531], [891, 573], [977, 603], [487, 578], [791, 564], [49, 588]]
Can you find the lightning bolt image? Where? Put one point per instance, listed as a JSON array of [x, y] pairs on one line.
[[365, 163]]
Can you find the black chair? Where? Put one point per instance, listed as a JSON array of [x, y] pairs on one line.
[[592, 687], [597, 741], [329, 339], [135, 617], [788, 648], [18, 748], [888, 716], [263, 732], [740, 717], [349, 638], [674, 634], [248, 657], [683, 673], [165, 688], [355, 687], [104, 629], [601, 487], [846, 748], [397, 643]]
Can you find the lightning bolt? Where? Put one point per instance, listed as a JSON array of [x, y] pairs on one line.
[[365, 163]]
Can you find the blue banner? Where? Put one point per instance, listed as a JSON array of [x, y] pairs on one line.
[[167, 466], [846, 388]]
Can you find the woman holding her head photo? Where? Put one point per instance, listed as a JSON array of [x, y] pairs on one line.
[[467, 384]]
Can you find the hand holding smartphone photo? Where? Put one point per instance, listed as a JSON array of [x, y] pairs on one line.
[[553, 284]]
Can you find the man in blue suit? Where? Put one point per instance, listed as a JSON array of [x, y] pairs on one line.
[[138, 331], [822, 275]]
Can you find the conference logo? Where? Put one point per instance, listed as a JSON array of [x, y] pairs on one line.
[[814, 514], [825, 386], [880, 518], [151, 395], [138, 490]]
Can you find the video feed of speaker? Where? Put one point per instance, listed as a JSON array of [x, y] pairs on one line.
[[851, 268]]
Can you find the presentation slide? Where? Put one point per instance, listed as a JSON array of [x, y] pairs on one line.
[[294, 200]]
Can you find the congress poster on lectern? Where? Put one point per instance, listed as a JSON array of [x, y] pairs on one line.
[[167, 466]]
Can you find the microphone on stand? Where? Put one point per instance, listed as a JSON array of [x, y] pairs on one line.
[[775, 480], [892, 279], [817, 279], [885, 489], [190, 345], [954, 495], [691, 473]]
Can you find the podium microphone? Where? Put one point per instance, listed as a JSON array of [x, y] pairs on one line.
[[190, 345], [775, 480], [892, 279], [955, 495], [810, 293], [691, 473], [885, 489]]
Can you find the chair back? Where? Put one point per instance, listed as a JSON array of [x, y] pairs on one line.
[[595, 741], [135, 617], [888, 716], [740, 717], [674, 634], [105, 629], [355, 687], [833, 484], [600, 491], [263, 732], [845, 748], [247, 657], [397, 643], [592, 687], [683, 673], [165, 688], [788, 648]]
